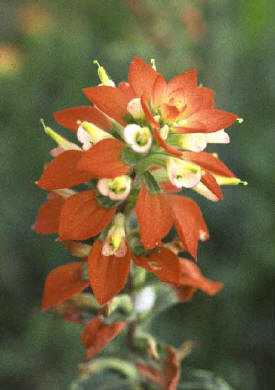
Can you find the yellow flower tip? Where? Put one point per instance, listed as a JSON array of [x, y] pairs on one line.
[[233, 181], [153, 63], [103, 75], [78, 122], [43, 124], [200, 85], [215, 155], [49, 131], [240, 120], [96, 63]]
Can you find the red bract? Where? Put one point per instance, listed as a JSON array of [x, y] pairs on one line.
[[63, 172], [112, 101], [191, 279], [82, 217], [62, 283], [153, 211], [168, 377], [47, 220], [157, 213], [163, 263], [104, 159], [70, 116], [96, 335], [107, 274]]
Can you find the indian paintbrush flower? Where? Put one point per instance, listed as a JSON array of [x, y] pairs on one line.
[[142, 143]]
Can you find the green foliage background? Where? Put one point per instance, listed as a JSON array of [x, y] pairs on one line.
[[235, 330]]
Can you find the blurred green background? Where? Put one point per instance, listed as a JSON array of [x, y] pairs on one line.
[[46, 53]]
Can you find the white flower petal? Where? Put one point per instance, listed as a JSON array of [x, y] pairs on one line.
[[103, 186], [204, 191], [134, 108], [82, 135], [218, 137], [194, 142]]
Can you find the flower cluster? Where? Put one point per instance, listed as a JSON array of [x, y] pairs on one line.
[[140, 145]]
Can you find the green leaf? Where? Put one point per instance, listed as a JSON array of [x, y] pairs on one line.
[[151, 183], [106, 202], [193, 379], [130, 157], [131, 200], [108, 374], [108, 381]]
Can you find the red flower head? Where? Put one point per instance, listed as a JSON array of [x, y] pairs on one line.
[[141, 142]]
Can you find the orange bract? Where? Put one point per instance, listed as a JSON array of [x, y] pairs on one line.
[[70, 116], [47, 220], [152, 210], [104, 159], [82, 217], [166, 379], [107, 274], [96, 335], [62, 172], [62, 283]]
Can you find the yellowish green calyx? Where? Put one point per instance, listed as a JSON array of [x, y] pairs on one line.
[[103, 75], [61, 141], [164, 132], [157, 118], [118, 184], [143, 136], [117, 231], [183, 165], [95, 132]]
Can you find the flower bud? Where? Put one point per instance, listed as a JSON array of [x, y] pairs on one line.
[[182, 173], [194, 142], [218, 137], [135, 109], [115, 243], [116, 189], [139, 138], [89, 134]]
